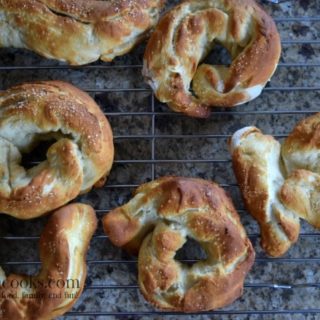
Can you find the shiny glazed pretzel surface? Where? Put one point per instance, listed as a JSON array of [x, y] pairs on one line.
[[185, 36], [178, 208]]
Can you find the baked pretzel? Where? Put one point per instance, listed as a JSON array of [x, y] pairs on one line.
[[58, 285], [279, 184], [185, 36], [81, 156], [77, 31], [178, 208]]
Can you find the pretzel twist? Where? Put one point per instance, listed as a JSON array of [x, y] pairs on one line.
[[179, 208], [81, 156], [60, 281], [280, 184], [185, 36], [76, 31]]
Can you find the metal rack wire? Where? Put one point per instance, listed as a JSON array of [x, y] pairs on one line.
[[153, 137]]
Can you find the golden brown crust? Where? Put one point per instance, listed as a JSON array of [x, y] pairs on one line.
[[279, 184], [301, 193], [77, 31], [180, 208], [256, 164], [82, 155], [186, 34], [61, 279], [301, 149], [301, 154]]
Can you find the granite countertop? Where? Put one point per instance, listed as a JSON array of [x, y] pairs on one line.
[[303, 48]]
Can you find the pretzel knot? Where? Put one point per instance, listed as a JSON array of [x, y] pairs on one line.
[[186, 35], [77, 31], [58, 285], [177, 209], [280, 183], [80, 157]]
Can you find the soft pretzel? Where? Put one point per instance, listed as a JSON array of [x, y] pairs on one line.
[[258, 168], [76, 31], [178, 208], [81, 156], [58, 285], [187, 33], [301, 155], [280, 184], [301, 150]]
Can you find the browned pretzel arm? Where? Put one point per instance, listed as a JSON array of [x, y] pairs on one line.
[[257, 166], [301, 155], [77, 31], [279, 184], [58, 285]]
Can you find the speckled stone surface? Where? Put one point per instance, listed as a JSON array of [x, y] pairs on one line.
[[288, 76]]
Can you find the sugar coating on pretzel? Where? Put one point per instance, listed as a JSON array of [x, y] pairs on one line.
[[157, 222], [58, 285], [81, 157], [279, 183], [77, 31], [186, 35]]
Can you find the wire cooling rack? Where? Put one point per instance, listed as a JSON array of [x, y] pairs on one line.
[[151, 141]]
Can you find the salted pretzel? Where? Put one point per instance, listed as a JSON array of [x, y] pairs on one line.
[[186, 35], [58, 285], [158, 221], [80, 157], [77, 31], [280, 184]]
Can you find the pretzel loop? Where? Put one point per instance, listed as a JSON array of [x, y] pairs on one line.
[[81, 155], [186, 35], [182, 208]]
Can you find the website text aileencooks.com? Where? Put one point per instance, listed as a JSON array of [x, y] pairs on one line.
[[36, 288], [30, 283]]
